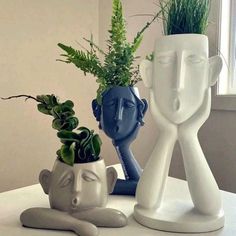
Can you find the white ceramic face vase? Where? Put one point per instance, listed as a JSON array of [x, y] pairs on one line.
[[182, 72], [78, 187]]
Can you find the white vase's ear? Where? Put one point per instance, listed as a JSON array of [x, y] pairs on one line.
[[215, 66], [111, 179], [145, 69], [45, 179]]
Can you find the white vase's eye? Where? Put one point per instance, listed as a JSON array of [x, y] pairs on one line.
[[194, 59], [166, 60], [89, 176]]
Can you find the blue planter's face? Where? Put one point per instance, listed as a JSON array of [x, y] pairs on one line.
[[119, 114]]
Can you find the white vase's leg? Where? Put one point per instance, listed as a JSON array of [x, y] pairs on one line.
[[202, 185], [151, 185]]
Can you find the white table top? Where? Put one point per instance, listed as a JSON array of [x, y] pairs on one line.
[[12, 203]]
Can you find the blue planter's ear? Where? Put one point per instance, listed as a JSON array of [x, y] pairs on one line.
[[96, 109], [45, 180], [111, 179], [145, 106], [142, 108], [215, 66], [145, 69]]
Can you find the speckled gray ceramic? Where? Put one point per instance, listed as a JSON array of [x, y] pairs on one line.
[[77, 195]]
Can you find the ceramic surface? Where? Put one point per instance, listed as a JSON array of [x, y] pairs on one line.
[[179, 81], [120, 116]]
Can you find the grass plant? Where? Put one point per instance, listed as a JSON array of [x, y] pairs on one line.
[[185, 16]]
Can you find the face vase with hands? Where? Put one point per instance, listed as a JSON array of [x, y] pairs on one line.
[[77, 197], [179, 81]]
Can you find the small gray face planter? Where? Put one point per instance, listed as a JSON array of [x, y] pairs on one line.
[[77, 195], [120, 116]]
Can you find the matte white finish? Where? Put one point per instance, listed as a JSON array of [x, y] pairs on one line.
[[12, 203], [179, 80]]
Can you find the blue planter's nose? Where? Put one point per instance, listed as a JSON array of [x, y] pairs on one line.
[[119, 110]]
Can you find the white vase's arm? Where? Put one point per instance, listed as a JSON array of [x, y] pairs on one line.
[[151, 185], [202, 185], [46, 218]]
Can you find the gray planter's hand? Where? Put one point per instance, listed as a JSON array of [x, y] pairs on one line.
[[46, 218], [103, 217]]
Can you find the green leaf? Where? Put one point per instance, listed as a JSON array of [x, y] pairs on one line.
[[57, 124], [68, 49], [53, 100], [43, 109], [68, 136], [68, 154], [70, 123], [96, 145], [137, 43], [69, 103]]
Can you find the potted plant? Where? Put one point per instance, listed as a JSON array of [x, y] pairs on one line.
[[118, 107], [79, 182], [179, 79]]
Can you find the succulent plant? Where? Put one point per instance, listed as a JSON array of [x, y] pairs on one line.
[[79, 145]]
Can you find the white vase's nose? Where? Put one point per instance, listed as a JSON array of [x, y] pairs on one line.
[[178, 84]]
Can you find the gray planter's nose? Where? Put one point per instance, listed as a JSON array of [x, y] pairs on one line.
[[75, 201]]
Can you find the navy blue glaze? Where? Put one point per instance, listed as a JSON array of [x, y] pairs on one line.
[[120, 116]]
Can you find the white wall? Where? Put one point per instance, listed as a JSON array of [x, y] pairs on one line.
[[218, 134], [29, 33]]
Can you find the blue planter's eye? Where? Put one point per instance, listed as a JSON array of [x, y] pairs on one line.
[[129, 104], [110, 103]]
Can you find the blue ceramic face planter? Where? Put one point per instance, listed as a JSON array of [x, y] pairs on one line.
[[120, 116]]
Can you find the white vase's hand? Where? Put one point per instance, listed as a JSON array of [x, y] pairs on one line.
[[156, 170], [193, 124], [164, 125]]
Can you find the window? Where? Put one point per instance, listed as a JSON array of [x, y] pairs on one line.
[[224, 93], [227, 47]]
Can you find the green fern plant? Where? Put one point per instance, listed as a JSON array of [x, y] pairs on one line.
[[118, 68], [185, 16], [80, 146]]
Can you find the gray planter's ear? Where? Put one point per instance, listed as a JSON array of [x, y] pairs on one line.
[[111, 179], [45, 179], [215, 66]]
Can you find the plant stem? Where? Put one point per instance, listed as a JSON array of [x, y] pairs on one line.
[[22, 95]]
